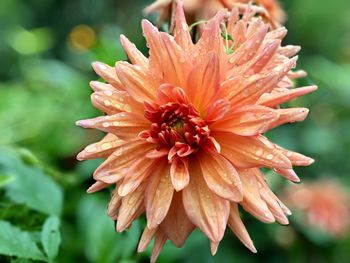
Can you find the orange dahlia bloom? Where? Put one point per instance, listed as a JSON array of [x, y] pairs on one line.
[[184, 128], [325, 204], [205, 9]]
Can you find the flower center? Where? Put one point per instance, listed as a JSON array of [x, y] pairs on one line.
[[176, 125]]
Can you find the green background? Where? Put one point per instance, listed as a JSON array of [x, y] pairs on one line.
[[45, 213]]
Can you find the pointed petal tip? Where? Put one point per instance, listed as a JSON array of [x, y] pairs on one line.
[[214, 248], [98, 66]]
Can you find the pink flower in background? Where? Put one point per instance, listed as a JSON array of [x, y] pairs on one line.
[[205, 9], [326, 205], [184, 126]]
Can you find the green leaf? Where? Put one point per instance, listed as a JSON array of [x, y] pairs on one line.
[[14, 242], [102, 243], [51, 236], [31, 186], [6, 179]]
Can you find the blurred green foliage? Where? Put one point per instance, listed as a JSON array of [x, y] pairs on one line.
[[46, 48]]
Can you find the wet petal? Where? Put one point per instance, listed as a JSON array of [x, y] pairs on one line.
[[117, 164], [221, 177], [131, 208], [146, 238], [181, 30], [115, 101], [274, 99], [247, 120], [135, 175], [159, 242], [158, 195], [204, 81], [179, 173], [108, 74], [252, 201], [176, 224], [136, 82], [238, 228], [135, 56], [125, 125], [251, 150], [101, 149], [205, 209]]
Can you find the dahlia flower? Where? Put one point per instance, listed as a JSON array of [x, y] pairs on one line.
[[204, 9], [325, 205], [184, 141]]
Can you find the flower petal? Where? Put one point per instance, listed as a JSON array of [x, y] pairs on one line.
[[221, 177], [204, 81], [158, 195], [135, 175], [101, 149], [135, 56], [252, 201], [247, 120], [274, 99], [168, 62], [205, 209], [108, 74], [159, 242], [125, 125], [179, 173], [137, 82], [117, 164], [146, 238], [131, 208], [176, 224], [238, 228], [181, 31], [250, 150], [115, 101], [289, 116]]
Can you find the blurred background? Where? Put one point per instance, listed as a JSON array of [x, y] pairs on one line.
[[46, 48]]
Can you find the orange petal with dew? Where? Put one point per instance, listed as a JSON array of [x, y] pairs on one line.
[[250, 150], [289, 174], [115, 101], [100, 86], [179, 173], [238, 228], [101, 149], [252, 201], [176, 225], [271, 199], [135, 56], [131, 208], [249, 48], [289, 116], [247, 120], [221, 177], [125, 125], [108, 74], [135, 175], [137, 82], [204, 208], [114, 205], [168, 62], [204, 81], [158, 195], [146, 238], [181, 30], [159, 242], [274, 99], [97, 186], [115, 167]]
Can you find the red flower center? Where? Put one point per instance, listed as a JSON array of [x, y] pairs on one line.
[[175, 124]]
